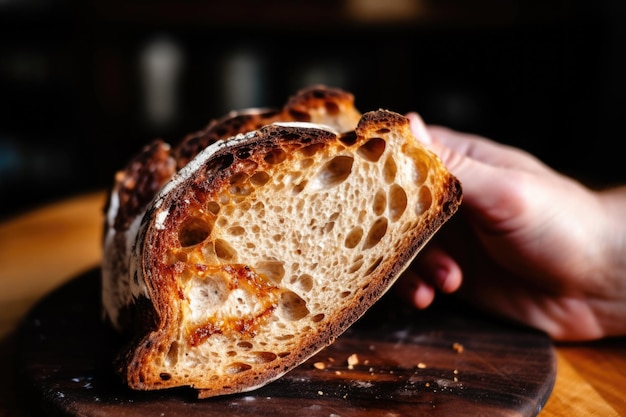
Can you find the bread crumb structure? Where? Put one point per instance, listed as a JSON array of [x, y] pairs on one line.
[[264, 248]]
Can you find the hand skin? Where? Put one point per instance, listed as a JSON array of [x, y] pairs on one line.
[[528, 243]]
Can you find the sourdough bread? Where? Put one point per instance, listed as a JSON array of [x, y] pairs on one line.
[[260, 250]]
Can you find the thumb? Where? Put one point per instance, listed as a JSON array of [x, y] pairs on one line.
[[485, 186]]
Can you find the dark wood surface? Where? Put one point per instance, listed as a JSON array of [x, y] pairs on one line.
[[446, 361]]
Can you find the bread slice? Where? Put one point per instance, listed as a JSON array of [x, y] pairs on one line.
[[265, 247]]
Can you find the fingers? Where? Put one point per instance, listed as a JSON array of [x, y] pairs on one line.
[[438, 268], [434, 270], [415, 290], [423, 296]]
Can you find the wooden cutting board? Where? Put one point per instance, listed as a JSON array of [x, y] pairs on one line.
[[448, 360]]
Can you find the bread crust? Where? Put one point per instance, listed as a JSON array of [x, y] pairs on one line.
[[252, 258]]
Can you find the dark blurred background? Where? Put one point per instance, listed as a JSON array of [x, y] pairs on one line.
[[85, 84]]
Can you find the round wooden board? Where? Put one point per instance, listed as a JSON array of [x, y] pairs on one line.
[[448, 360]]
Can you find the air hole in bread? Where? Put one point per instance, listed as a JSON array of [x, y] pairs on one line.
[[259, 208], [372, 150], [297, 188], [210, 291], [236, 230], [218, 164], [374, 265], [292, 307], [165, 376], [356, 265], [376, 233], [398, 202], [318, 317], [224, 251], [422, 167], [239, 185], [243, 152], [239, 178], [353, 238], [175, 256], [275, 156], [334, 172], [260, 357], [380, 202], [273, 270], [172, 355], [213, 207], [259, 178], [304, 282], [425, 199], [345, 294], [208, 252], [193, 231], [406, 226], [237, 367], [311, 150], [245, 345], [348, 138], [390, 169], [223, 198]]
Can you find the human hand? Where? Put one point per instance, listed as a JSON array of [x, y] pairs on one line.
[[528, 243]]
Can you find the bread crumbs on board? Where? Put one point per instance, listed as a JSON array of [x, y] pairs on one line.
[[353, 360]]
